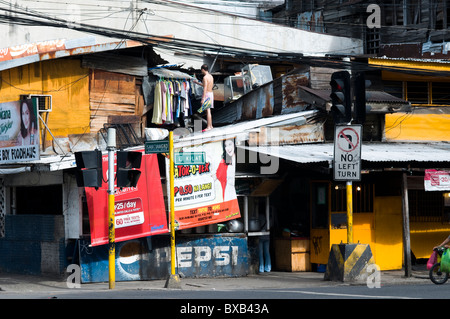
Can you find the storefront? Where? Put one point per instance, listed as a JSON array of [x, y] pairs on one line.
[[378, 199]]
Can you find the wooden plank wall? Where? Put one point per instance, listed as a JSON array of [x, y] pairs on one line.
[[111, 94]]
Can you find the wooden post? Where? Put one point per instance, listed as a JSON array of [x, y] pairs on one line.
[[406, 233]]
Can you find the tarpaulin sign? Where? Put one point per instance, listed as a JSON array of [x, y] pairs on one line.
[[435, 180], [204, 184], [139, 211], [19, 131]]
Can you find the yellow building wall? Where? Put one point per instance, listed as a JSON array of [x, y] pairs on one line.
[[65, 80], [388, 246], [417, 127], [381, 230]]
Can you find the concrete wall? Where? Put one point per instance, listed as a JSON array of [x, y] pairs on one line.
[[149, 258], [182, 22]]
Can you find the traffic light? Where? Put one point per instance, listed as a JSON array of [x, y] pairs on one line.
[[127, 168], [361, 96], [341, 107], [89, 168]]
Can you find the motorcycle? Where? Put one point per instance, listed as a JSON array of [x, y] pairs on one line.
[[438, 276]]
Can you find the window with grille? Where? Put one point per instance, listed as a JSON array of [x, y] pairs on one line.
[[428, 206], [363, 195], [440, 93], [417, 92], [420, 93]]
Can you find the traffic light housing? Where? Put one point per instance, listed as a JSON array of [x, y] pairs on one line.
[[341, 107], [128, 164], [89, 168], [361, 96]]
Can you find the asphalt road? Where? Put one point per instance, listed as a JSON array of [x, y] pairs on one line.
[[229, 303], [407, 291]]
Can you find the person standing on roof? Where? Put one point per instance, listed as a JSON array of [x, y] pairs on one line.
[[207, 97]]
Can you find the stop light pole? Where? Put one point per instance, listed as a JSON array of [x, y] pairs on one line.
[[111, 147]]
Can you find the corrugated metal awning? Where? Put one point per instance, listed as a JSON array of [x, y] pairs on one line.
[[371, 152], [241, 130]]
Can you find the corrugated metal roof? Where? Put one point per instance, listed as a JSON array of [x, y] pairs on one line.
[[373, 96], [241, 129], [371, 152]]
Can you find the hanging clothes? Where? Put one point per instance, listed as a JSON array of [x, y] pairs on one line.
[[172, 101], [157, 104]]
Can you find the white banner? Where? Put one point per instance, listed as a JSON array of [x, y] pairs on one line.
[[437, 180]]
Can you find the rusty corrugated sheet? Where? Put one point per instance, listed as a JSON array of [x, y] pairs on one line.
[[290, 134], [280, 96], [291, 101]]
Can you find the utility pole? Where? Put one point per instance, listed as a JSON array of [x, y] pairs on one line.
[[111, 147]]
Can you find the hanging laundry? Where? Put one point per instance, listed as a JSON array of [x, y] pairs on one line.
[[157, 104], [172, 101]]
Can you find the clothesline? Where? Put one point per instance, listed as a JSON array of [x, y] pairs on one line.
[[170, 74]]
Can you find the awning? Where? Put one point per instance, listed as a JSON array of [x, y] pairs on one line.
[[371, 152], [241, 130]]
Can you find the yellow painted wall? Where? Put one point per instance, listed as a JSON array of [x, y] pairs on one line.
[[388, 246], [381, 230], [417, 127], [65, 80]]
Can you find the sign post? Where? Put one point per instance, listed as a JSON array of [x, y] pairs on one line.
[[174, 280], [347, 164], [111, 191]]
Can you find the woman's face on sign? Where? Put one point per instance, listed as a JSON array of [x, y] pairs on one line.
[[229, 147], [25, 115]]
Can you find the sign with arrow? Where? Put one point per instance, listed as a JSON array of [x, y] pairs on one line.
[[347, 153]]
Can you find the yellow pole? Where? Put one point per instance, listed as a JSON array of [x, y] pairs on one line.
[[112, 244], [172, 204], [111, 146], [349, 213]]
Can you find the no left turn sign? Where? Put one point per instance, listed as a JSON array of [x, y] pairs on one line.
[[347, 153]]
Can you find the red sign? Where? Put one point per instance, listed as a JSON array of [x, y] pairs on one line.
[[139, 211]]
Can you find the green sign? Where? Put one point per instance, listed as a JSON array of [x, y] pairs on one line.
[[152, 147], [190, 158]]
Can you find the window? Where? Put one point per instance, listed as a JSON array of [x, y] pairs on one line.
[[362, 198], [394, 88], [417, 92], [440, 93], [40, 200], [420, 93], [428, 206]]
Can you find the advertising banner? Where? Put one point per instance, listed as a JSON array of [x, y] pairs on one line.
[[19, 131], [139, 211], [204, 184], [437, 180]]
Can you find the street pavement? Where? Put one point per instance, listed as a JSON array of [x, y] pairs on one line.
[[20, 284]]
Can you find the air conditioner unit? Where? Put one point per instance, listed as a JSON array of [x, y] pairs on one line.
[[43, 102]]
